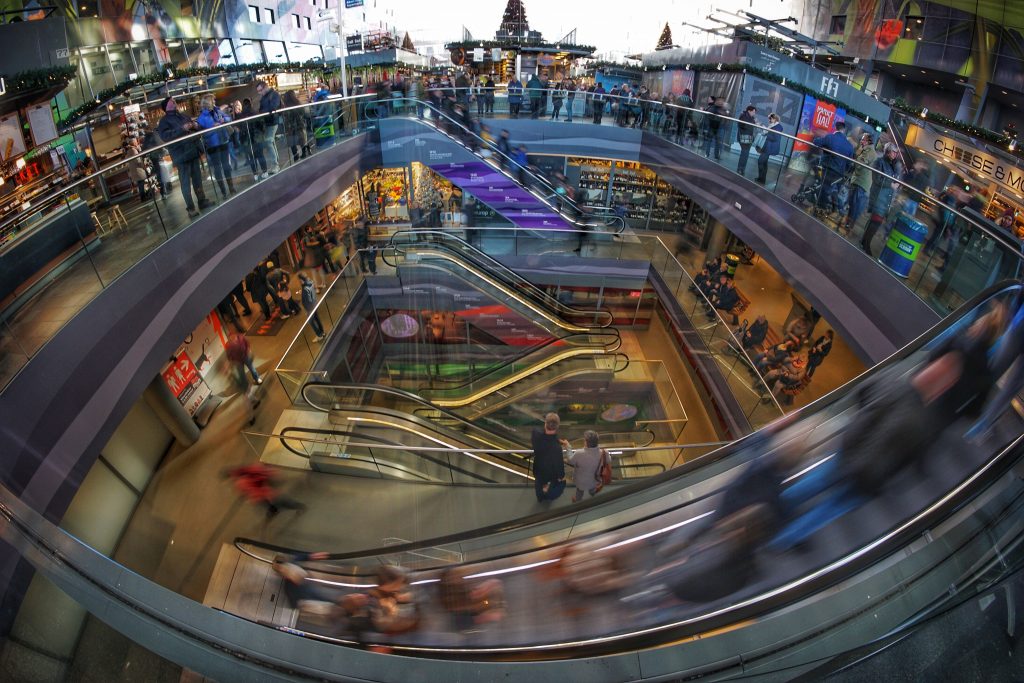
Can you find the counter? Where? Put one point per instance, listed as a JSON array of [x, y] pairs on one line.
[[42, 244]]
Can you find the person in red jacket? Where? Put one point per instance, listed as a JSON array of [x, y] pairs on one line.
[[258, 484]]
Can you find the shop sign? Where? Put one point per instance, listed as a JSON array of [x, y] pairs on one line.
[[350, 4], [992, 168], [183, 379], [289, 80], [478, 54]]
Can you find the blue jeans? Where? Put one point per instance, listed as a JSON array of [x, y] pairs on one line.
[[252, 369], [318, 326], [858, 202], [713, 136], [839, 497]]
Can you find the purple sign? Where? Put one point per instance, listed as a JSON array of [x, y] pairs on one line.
[[502, 194]]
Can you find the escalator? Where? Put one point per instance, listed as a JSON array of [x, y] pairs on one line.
[[523, 195], [931, 526], [921, 542]]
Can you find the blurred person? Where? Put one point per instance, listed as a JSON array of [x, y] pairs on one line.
[[535, 89], [270, 102], [1005, 363], [258, 484], [471, 602], [819, 351], [314, 253], [315, 603], [860, 183], [250, 137], [296, 127], [883, 191], [684, 103], [309, 304], [548, 463], [713, 125], [589, 465], [393, 605]]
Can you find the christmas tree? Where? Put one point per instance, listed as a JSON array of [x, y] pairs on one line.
[[407, 43], [666, 38], [514, 21]]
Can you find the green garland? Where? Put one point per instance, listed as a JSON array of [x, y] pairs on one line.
[[68, 118], [766, 75], [967, 129], [40, 79]]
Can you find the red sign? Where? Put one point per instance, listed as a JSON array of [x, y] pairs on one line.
[[888, 33], [824, 116], [181, 377]]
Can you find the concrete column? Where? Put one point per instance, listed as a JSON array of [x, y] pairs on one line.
[[716, 242], [170, 412]]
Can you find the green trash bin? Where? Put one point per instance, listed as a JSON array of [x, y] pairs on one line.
[[731, 263]]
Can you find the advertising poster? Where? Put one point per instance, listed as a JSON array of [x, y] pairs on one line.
[[12, 144], [816, 119], [497, 191], [185, 382]]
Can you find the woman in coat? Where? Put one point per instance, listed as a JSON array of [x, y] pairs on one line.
[[772, 145]]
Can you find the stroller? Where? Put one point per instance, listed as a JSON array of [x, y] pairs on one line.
[[813, 184]]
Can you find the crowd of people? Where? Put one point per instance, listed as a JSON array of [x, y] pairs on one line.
[[228, 147]]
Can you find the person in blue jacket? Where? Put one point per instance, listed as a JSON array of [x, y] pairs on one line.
[[309, 304], [838, 153], [216, 142], [772, 145]]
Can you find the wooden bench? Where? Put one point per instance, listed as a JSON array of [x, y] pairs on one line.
[[743, 305]]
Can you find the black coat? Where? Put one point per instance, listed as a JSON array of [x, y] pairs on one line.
[[547, 456]]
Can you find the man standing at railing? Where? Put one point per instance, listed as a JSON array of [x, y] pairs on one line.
[[515, 97], [534, 88], [270, 102], [489, 96], [745, 136], [838, 151], [599, 93], [685, 104], [185, 154], [548, 463]]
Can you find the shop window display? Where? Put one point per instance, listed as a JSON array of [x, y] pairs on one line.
[[385, 196]]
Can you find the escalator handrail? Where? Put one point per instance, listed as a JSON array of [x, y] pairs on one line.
[[536, 176], [608, 349], [379, 388], [505, 288], [484, 260], [717, 455], [283, 436]]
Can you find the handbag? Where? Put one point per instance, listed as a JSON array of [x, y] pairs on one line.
[[760, 141], [606, 468], [746, 138]]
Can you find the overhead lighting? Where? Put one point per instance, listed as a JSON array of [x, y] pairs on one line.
[[924, 113], [1012, 146], [20, 163]]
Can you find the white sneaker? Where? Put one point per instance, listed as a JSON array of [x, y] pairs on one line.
[[317, 340], [286, 316]]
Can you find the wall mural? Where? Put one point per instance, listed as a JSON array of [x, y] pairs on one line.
[[981, 41], [163, 20]]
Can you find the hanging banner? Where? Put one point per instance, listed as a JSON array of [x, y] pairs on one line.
[[184, 381], [478, 54], [40, 122], [816, 119]]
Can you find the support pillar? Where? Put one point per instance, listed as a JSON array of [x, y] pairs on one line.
[[170, 412]]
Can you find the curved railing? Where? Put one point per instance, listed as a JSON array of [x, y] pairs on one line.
[[94, 242], [960, 256]]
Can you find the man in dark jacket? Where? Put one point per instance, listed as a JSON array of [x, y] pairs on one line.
[[745, 136], [838, 153], [534, 89], [713, 126], [256, 283], [270, 102], [821, 348], [548, 462], [185, 154], [756, 333]]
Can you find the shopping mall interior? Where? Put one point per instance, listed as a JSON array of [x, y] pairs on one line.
[[503, 360]]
